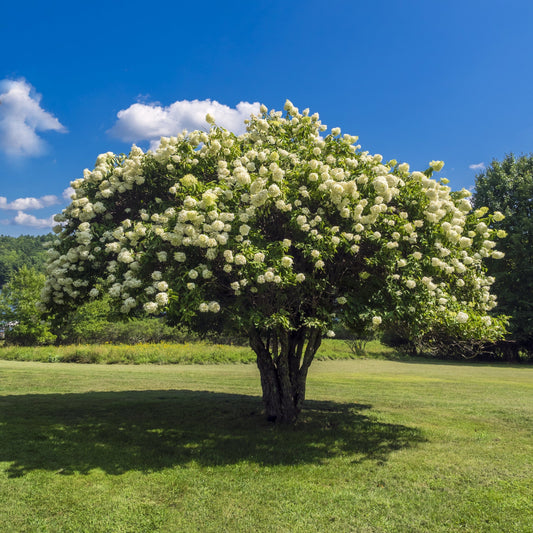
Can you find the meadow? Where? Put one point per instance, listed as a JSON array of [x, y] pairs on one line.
[[196, 352], [381, 446]]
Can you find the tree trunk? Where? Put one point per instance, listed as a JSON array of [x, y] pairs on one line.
[[283, 359]]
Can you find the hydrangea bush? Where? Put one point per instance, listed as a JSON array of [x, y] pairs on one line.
[[278, 232]]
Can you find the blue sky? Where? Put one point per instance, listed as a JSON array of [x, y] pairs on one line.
[[416, 80]]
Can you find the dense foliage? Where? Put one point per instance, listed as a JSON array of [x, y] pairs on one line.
[[507, 186], [17, 251], [279, 233], [19, 317], [94, 323]]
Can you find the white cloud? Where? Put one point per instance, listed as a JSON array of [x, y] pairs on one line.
[[23, 204], [23, 219], [149, 122], [21, 116], [477, 166], [67, 193]]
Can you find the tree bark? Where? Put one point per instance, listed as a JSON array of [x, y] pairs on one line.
[[283, 359]]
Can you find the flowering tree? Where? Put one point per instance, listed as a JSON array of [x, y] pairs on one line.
[[278, 232]]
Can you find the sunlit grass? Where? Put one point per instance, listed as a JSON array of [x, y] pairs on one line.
[[167, 353], [381, 446]]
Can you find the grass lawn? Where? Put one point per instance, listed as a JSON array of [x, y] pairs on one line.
[[171, 353], [381, 446]]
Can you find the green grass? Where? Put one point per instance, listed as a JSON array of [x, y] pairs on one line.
[[381, 446], [168, 353]]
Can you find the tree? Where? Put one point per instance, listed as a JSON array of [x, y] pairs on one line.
[[86, 323], [278, 232], [17, 251], [507, 187], [21, 319]]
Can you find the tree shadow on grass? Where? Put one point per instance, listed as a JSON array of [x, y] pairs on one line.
[[151, 430]]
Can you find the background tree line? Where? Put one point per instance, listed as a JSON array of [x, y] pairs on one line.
[[16, 252]]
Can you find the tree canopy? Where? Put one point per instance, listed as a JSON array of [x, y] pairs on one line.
[[21, 321], [279, 233], [507, 186], [17, 251]]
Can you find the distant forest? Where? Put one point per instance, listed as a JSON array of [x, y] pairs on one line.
[[24, 250]]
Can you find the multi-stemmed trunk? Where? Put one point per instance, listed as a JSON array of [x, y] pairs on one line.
[[283, 359]]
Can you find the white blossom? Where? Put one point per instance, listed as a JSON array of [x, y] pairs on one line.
[[461, 317], [150, 307]]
